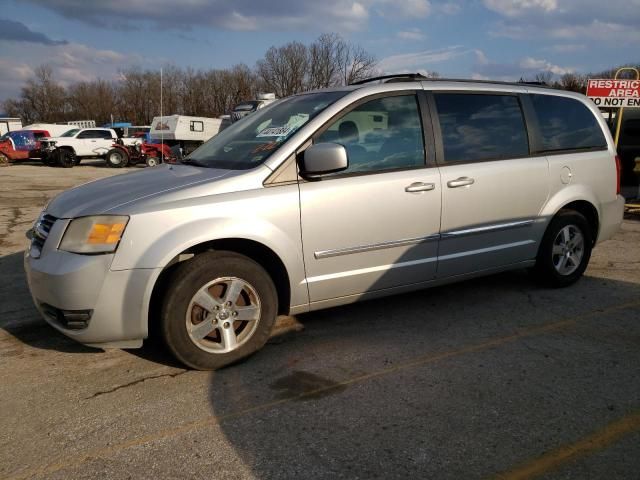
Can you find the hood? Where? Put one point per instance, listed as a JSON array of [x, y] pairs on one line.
[[108, 194]]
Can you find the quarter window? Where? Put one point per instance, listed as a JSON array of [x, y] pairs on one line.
[[197, 126], [481, 127], [566, 124], [382, 134]]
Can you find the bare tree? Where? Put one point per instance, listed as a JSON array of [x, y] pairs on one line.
[[284, 69], [545, 78], [135, 96], [325, 58], [356, 64], [92, 100], [573, 82], [41, 99]]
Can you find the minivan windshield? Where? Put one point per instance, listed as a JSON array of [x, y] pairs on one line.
[[250, 141]]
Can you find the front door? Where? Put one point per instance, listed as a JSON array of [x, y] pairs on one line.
[[376, 225]]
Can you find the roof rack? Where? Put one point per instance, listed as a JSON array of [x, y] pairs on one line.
[[398, 76], [407, 77]]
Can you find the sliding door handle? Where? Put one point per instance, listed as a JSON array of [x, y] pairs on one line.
[[419, 187], [460, 182]]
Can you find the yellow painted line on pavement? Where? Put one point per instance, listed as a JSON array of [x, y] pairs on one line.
[[568, 453], [79, 458]]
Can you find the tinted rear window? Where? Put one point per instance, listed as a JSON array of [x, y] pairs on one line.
[[481, 127], [566, 124]]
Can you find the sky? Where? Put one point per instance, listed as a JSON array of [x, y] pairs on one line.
[[482, 39]]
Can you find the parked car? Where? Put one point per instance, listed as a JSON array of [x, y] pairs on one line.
[[71, 147], [21, 145], [298, 208], [249, 106], [54, 129], [629, 151]]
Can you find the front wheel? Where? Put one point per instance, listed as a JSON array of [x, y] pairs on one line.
[[152, 161], [220, 307], [565, 250], [66, 158]]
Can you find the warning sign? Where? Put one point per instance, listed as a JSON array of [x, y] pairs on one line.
[[614, 93]]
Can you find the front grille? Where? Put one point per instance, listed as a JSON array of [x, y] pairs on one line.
[[235, 116], [41, 233]]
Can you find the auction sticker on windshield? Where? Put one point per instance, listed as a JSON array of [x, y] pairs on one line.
[[276, 131]]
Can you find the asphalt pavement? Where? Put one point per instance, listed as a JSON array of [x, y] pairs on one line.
[[490, 378]]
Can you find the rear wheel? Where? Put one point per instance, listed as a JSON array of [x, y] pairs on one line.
[[117, 158], [220, 307], [565, 250], [66, 158]]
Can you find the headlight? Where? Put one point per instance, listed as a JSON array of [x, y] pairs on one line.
[[99, 234]]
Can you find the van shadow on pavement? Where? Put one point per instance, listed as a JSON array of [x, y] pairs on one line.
[[417, 386]]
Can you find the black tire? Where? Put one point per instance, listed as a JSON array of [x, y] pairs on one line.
[[546, 269], [4, 160], [188, 279], [116, 158], [66, 158]]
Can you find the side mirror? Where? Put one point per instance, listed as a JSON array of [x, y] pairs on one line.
[[323, 159]]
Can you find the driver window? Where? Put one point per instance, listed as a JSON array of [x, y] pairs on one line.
[[382, 134]]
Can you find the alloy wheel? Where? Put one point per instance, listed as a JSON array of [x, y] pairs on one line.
[[223, 315], [568, 250]]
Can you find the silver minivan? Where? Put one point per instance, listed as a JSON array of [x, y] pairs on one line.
[[327, 198]]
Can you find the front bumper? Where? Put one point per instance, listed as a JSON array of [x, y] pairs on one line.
[[106, 308]]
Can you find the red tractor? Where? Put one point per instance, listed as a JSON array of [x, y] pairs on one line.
[[123, 154]]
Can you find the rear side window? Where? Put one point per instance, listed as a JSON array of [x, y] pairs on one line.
[[481, 127], [566, 124]]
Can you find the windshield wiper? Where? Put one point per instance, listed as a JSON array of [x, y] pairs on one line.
[[191, 161]]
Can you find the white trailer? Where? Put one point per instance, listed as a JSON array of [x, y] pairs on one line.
[[81, 123], [187, 133], [54, 129], [9, 124]]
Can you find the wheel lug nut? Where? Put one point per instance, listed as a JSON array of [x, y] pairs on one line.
[[217, 307], [226, 324], [228, 304], [235, 314]]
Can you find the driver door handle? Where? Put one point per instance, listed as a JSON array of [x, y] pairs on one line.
[[460, 182], [419, 187]]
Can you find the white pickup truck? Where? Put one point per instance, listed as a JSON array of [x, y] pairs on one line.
[[70, 148]]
